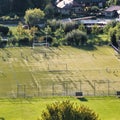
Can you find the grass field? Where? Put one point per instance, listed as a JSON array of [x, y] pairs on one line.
[[108, 108], [28, 72], [61, 71]]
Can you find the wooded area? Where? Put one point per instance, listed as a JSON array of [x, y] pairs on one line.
[[19, 6]]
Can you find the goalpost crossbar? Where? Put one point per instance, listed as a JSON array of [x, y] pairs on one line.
[[41, 44]]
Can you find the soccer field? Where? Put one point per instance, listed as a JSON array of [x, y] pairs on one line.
[[28, 72]]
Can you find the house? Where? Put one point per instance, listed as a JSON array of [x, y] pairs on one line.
[[87, 3], [112, 11], [67, 7]]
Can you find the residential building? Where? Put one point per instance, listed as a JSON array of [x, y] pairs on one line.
[[67, 7], [99, 3], [111, 11]]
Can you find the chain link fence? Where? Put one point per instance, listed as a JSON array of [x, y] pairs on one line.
[[64, 88]]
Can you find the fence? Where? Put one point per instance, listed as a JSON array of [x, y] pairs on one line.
[[64, 88]]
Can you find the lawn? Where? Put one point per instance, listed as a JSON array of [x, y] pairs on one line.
[[58, 71], [39, 72], [108, 108]]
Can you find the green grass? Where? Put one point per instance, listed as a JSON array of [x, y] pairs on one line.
[[108, 108], [13, 29], [42, 67]]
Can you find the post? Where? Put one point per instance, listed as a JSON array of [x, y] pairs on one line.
[[53, 88], [17, 90], [108, 87], [24, 90], [94, 89], [80, 85]]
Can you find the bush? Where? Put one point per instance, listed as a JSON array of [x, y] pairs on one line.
[[54, 24], [68, 111], [76, 38], [24, 42], [4, 30], [69, 26]]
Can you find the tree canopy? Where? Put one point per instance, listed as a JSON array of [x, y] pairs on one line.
[[33, 16], [68, 111]]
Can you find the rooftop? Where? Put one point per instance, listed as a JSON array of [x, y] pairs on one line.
[[112, 8], [64, 3]]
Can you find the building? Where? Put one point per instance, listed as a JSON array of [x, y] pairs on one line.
[[99, 22], [99, 3], [67, 7], [112, 11]]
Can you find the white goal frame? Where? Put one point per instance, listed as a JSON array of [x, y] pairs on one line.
[[40, 44]]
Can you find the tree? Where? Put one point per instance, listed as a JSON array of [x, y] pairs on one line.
[[94, 9], [95, 30], [49, 10], [68, 111], [33, 16], [76, 37], [82, 28], [59, 36]]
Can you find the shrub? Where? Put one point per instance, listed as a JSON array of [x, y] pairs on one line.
[[24, 42], [69, 26], [4, 30], [68, 111], [76, 37], [54, 24]]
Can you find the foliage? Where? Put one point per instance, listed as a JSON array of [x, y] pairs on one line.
[[59, 37], [113, 31], [112, 24], [96, 30], [94, 9], [49, 11], [76, 37], [68, 111], [23, 36], [4, 30], [5, 18], [113, 2], [82, 28], [54, 24], [69, 26], [33, 16]]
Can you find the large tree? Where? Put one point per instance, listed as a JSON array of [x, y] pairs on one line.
[[33, 16]]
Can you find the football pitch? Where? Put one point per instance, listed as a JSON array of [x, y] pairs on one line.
[[49, 71]]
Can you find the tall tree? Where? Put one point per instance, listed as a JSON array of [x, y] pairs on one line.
[[33, 16]]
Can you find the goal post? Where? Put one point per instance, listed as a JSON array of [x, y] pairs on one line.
[[40, 44]]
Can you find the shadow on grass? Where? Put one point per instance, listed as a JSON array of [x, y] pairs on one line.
[[86, 47], [83, 99], [1, 118]]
